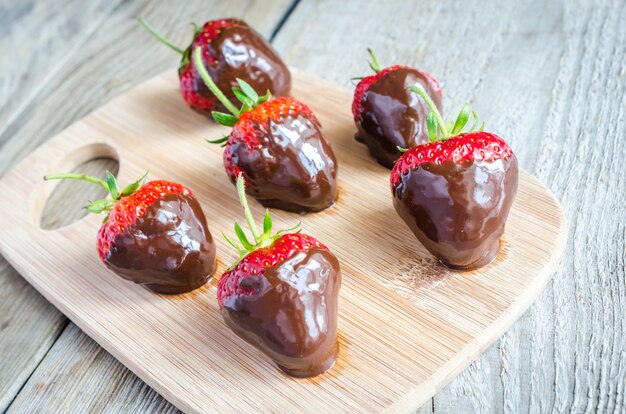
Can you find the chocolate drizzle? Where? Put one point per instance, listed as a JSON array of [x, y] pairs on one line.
[[292, 316], [243, 53], [458, 211], [293, 167], [169, 249], [392, 116]]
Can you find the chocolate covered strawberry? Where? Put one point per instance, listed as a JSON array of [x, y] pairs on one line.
[[387, 114], [230, 50], [281, 296], [456, 191], [154, 234], [277, 144]]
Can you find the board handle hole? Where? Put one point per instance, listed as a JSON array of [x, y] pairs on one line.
[[63, 201]]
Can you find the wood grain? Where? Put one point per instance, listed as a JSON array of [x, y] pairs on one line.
[[82, 55], [396, 352], [61, 28], [529, 67], [62, 382], [549, 77]]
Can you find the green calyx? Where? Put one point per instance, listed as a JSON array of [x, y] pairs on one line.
[[374, 64], [259, 239], [186, 60], [245, 94], [438, 130], [109, 184]]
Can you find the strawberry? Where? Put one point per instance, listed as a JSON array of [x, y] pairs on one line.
[[278, 145], [455, 192], [281, 296], [387, 114], [230, 49], [154, 234]]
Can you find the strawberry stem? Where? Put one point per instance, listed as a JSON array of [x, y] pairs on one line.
[[159, 37], [447, 130], [442, 125], [199, 64], [81, 177], [260, 240], [241, 190], [110, 185]]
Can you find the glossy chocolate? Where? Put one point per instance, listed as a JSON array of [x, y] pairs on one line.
[[392, 116], [243, 53], [169, 249], [292, 316], [293, 167], [458, 211]]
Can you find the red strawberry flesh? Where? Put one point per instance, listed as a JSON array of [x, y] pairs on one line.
[[469, 146], [126, 211], [256, 262]]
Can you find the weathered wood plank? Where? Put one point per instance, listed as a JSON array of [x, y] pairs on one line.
[[32, 35], [111, 57], [69, 375], [20, 352], [549, 77], [36, 40], [29, 325]]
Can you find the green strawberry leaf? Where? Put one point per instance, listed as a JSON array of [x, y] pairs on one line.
[[374, 64], [232, 243], [242, 238], [224, 119], [475, 125], [246, 106], [242, 97], [132, 187], [267, 224], [267, 96], [112, 184], [431, 124], [219, 140], [461, 120], [248, 90], [99, 206]]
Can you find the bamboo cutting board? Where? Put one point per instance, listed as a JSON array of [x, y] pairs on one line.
[[407, 325]]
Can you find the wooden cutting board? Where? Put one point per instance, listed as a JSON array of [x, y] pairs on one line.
[[407, 325]]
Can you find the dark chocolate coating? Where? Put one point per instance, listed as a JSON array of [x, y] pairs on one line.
[[169, 249], [243, 53], [458, 211], [393, 116], [292, 317], [293, 168]]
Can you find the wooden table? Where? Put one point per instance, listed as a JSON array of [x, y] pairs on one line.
[[550, 77]]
